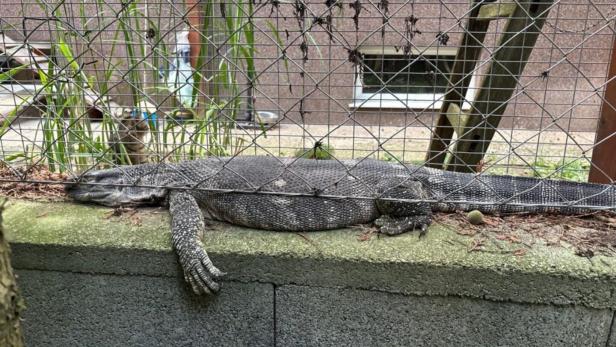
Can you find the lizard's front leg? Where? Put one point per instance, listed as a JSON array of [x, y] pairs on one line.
[[398, 217], [186, 230]]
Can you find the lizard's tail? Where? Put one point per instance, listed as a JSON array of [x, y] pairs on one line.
[[507, 194]]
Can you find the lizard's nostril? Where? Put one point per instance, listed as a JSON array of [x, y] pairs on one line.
[[70, 188]]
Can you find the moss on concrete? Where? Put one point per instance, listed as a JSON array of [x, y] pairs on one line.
[[238, 249], [81, 225]]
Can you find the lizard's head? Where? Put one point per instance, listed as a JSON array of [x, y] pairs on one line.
[[118, 186]]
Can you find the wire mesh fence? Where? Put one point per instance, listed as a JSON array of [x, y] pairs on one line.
[[490, 87]]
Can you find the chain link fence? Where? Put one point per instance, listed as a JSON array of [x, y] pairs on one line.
[[490, 87]]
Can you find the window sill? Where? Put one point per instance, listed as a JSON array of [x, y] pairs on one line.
[[399, 104]]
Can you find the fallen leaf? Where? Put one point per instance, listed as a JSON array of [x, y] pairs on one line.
[[514, 239], [476, 245], [492, 221], [135, 219], [365, 236], [466, 230], [520, 252]]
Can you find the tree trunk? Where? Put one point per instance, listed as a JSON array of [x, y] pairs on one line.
[[11, 302]]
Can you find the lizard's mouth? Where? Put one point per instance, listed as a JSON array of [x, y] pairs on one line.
[[114, 187]]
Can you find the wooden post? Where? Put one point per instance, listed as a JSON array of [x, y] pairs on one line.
[[193, 14], [460, 78], [506, 67], [11, 302], [603, 168]]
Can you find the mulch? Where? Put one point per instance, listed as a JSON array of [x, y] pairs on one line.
[[29, 189], [589, 234]]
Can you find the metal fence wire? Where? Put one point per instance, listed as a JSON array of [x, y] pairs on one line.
[[501, 87]]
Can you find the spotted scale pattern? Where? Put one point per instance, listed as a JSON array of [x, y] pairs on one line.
[[303, 195]]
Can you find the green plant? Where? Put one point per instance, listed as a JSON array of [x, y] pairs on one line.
[[390, 157], [573, 170], [68, 138], [8, 75], [319, 151], [10, 116], [70, 141]]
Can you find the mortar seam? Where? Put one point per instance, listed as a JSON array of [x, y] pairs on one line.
[[274, 315], [610, 330]]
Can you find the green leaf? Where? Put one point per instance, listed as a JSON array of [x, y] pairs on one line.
[[5, 76]]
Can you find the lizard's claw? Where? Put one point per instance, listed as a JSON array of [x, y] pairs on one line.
[[398, 225], [201, 273], [423, 230]]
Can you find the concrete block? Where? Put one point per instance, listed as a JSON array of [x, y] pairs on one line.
[[612, 339], [310, 316], [80, 238], [72, 309]]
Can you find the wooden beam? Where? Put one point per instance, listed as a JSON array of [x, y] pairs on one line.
[[460, 78], [496, 10], [193, 14], [603, 168], [506, 67], [457, 118]]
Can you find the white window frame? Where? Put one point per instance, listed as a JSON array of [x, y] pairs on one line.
[[363, 100]]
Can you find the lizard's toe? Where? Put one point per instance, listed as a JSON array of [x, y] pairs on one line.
[[391, 226], [423, 230], [201, 273], [212, 270], [393, 230], [382, 221], [206, 280], [397, 225], [201, 280], [197, 287], [216, 273]]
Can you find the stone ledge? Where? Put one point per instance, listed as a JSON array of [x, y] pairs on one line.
[[78, 238]]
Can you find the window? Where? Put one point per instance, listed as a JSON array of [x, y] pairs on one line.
[[390, 79]]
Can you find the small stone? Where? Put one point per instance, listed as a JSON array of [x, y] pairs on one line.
[[475, 217]]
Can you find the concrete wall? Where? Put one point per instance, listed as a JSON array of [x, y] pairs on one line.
[[94, 280], [76, 309]]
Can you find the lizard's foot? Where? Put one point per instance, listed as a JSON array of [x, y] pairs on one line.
[[201, 273], [398, 225]]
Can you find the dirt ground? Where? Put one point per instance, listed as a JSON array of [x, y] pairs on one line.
[[508, 150], [589, 235]]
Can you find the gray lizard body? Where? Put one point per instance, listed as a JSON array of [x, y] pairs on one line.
[[303, 195]]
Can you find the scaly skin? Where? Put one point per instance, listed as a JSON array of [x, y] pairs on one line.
[[303, 195]]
